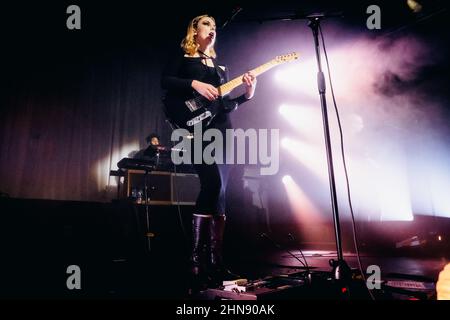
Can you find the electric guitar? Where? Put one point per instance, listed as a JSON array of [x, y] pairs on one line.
[[185, 113]]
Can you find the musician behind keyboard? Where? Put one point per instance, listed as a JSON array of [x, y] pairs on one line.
[[153, 149], [156, 155]]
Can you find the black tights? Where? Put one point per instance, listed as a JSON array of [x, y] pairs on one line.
[[213, 181]]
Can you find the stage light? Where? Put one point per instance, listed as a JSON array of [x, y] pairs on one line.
[[285, 142], [103, 167], [286, 179], [415, 6]]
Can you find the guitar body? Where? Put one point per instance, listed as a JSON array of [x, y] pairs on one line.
[[187, 111]]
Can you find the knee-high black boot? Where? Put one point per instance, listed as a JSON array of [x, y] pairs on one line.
[[217, 270], [201, 232]]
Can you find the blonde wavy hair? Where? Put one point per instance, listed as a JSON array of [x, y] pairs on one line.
[[188, 43]]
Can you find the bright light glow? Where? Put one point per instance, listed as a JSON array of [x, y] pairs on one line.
[[395, 201], [393, 188], [356, 66], [439, 184], [393, 169], [311, 156], [380, 187], [380, 190], [305, 211], [307, 120], [299, 201], [286, 179], [299, 77], [104, 180], [354, 122], [414, 6], [429, 177]]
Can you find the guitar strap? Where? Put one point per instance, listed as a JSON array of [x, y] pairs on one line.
[[227, 104], [218, 70]]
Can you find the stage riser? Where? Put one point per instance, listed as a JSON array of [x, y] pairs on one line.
[[41, 238]]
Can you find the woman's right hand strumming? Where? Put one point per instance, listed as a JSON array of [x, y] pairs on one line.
[[205, 89]]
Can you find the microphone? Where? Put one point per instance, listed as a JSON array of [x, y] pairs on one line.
[[233, 14]]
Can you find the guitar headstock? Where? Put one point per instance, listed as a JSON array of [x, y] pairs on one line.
[[286, 57]]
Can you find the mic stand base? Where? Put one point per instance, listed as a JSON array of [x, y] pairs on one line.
[[342, 275]]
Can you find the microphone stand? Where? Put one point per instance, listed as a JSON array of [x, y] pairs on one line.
[[148, 234], [341, 270]]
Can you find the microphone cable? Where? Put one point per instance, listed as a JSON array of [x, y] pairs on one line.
[[355, 238], [278, 246]]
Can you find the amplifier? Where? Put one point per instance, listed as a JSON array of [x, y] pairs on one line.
[[163, 187]]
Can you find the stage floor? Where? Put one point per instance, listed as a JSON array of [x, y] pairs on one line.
[[41, 239]]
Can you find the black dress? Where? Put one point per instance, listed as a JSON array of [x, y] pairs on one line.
[[176, 80]]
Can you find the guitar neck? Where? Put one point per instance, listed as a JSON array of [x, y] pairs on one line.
[[236, 82]]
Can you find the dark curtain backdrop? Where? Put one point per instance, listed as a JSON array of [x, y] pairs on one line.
[[67, 124], [73, 103]]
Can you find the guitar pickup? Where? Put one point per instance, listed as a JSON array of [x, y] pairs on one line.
[[199, 118], [192, 105]]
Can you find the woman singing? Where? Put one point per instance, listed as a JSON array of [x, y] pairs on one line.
[[195, 68]]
